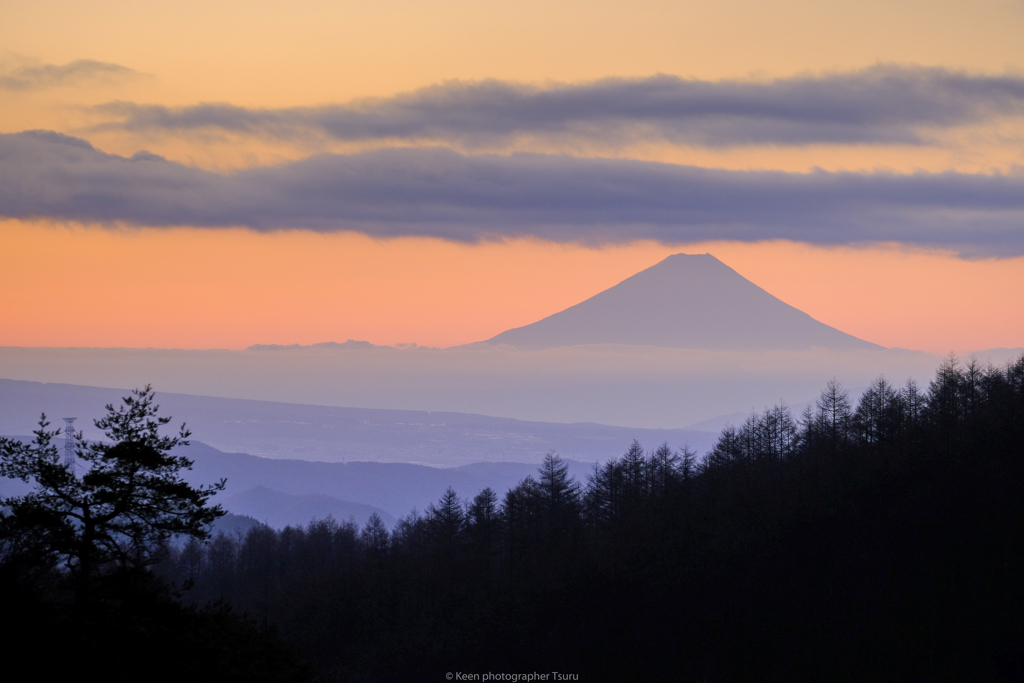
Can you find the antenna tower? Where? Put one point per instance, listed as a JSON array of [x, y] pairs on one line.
[[69, 442]]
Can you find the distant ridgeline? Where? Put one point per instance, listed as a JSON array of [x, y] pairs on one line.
[[351, 344], [685, 301], [881, 539]]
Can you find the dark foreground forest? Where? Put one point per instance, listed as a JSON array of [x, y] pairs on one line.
[[881, 539]]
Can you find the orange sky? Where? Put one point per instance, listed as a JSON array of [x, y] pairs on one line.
[[74, 286], [190, 288]]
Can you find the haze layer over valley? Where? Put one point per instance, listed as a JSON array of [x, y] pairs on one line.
[[331, 434]]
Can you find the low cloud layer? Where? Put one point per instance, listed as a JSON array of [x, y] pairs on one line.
[[878, 105], [437, 192], [80, 71]]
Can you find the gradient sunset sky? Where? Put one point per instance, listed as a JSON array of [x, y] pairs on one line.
[[221, 174]]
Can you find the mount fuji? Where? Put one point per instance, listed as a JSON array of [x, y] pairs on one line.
[[685, 301]]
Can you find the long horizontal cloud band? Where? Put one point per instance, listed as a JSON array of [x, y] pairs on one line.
[[437, 192], [38, 77], [879, 105]]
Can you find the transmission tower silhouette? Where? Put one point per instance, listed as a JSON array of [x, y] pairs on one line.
[[69, 442]]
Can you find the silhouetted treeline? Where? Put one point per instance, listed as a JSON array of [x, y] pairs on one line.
[[881, 540]]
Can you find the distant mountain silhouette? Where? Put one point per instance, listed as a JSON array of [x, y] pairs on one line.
[[685, 301], [278, 509], [282, 492]]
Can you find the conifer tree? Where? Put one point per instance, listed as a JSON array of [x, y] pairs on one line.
[[125, 506]]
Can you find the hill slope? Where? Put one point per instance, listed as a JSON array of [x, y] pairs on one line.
[[333, 434]]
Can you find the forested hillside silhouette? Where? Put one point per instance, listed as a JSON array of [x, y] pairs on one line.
[[872, 539]]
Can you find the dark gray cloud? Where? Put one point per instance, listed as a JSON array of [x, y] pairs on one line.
[[42, 76], [437, 192], [878, 105]]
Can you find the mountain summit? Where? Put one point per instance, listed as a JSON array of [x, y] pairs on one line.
[[685, 301]]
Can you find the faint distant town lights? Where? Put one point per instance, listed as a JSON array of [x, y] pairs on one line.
[[69, 442]]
